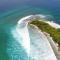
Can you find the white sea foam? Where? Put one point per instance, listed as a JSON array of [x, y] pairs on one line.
[[23, 20], [23, 31], [22, 37], [53, 24], [25, 38], [40, 15]]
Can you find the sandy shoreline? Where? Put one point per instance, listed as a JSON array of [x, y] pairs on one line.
[[51, 23], [53, 45]]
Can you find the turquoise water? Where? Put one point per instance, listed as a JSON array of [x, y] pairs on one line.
[[10, 15]]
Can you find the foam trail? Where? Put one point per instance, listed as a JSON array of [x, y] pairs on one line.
[[22, 30], [53, 24], [25, 38], [40, 15], [24, 19]]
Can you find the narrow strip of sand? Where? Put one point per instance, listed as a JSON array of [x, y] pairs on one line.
[[53, 45]]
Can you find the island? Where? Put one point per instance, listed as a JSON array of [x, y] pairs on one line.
[[45, 27], [41, 35]]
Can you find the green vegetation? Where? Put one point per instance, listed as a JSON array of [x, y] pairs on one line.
[[54, 33]]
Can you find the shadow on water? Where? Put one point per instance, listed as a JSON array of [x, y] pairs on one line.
[[3, 45]]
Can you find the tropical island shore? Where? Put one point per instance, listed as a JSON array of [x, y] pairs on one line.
[[50, 29], [52, 33], [45, 27], [53, 29]]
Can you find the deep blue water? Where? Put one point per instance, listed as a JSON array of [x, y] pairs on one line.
[[12, 10]]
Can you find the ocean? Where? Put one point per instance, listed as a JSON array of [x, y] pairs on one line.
[[11, 12]]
